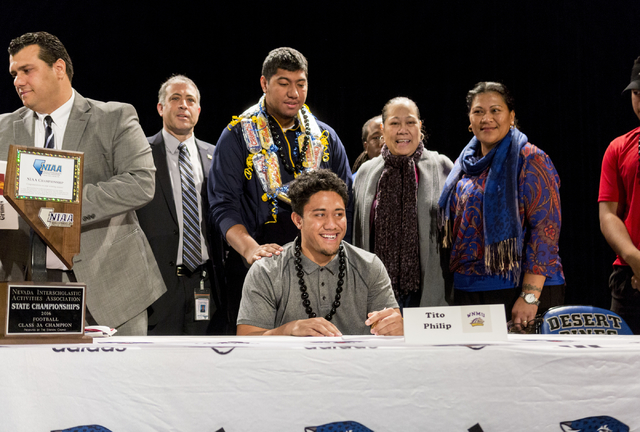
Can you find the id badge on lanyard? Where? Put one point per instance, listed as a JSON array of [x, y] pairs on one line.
[[202, 297]]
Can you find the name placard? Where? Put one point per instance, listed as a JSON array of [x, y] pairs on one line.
[[454, 324], [48, 309]]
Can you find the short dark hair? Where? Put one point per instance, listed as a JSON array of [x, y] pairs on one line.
[[51, 49], [285, 58], [162, 93], [310, 183], [365, 128]]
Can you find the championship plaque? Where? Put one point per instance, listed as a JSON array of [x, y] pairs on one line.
[[45, 187], [42, 312]]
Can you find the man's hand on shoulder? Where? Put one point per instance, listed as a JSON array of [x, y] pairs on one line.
[[265, 250], [387, 322], [245, 245]]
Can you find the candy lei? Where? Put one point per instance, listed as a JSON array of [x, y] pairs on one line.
[[300, 159], [262, 138]]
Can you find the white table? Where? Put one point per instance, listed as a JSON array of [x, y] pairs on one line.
[[287, 384]]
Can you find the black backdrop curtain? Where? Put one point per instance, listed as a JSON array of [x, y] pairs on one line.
[[565, 62]]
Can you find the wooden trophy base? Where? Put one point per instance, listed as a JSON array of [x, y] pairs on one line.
[[45, 339]]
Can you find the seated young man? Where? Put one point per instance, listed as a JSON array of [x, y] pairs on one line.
[[319, 285]]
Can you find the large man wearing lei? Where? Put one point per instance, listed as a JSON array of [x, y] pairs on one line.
[[258, 154]]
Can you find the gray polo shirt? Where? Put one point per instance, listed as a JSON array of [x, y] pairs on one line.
[[271, 294]]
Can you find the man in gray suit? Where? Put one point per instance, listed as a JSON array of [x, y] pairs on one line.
[[115, 260]]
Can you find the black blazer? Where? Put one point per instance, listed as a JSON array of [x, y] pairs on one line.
[[158, 219]]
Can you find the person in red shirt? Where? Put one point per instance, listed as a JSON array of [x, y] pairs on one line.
[[619, 208]]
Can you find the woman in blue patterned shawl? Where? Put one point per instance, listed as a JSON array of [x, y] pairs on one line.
[[500, 210]]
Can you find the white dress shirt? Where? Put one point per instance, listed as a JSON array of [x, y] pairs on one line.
[[171, 144], [58, 125]]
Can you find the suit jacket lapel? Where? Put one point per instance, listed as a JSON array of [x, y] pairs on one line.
[[163, 179], [78, 120], [206, 155]]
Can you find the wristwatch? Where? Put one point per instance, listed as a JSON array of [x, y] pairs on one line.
[[530, 298]]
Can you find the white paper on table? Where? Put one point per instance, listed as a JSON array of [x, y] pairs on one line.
[[99, 331]]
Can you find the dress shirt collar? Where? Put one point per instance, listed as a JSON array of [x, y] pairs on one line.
[[61, 115], [172, 143]]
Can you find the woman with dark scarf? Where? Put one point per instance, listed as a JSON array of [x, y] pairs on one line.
[[396, 207], [500, 211]]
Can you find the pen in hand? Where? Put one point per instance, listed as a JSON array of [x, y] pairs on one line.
[[373, 325]]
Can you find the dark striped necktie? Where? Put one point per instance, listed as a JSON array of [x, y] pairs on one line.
[[191, 252], [49, 142]]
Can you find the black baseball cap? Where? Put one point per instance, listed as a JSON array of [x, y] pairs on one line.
[[635, 77]]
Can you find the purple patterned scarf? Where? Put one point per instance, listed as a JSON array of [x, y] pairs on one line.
[[396, 221]]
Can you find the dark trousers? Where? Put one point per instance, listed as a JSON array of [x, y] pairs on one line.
[[625, 301], [174, 312], [552, 295], [235, 273]]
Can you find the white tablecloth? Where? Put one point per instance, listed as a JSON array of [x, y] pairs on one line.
[[288, 384]]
